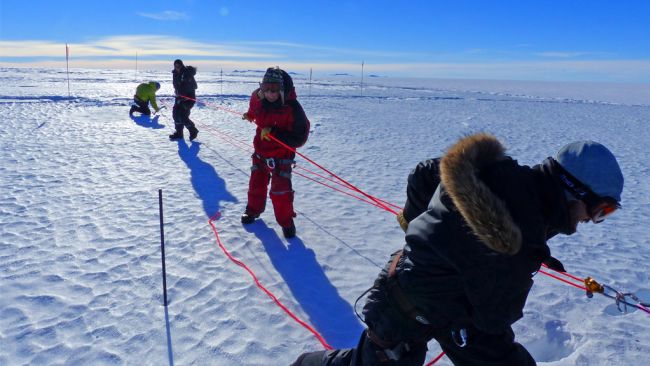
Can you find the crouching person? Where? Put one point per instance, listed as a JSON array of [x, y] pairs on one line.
[[466, 269], [145, 93]]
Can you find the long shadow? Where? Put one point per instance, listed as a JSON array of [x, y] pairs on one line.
[[205, 180], [147, 122], [170, 352], [330, 314]]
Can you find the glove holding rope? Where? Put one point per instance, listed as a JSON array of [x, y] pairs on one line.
[[264, 133], [247, 117], [402, 221]]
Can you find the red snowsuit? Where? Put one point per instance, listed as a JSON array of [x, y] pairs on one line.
[[272, 161]]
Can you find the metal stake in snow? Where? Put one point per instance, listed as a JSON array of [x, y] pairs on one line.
[[67, 67], [162, 245], [362, 78]]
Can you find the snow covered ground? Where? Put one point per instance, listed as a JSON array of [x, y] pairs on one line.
[[80, 267]]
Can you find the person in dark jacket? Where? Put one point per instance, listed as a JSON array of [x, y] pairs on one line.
[[275, 110], [185, 93], [466, 269], [145, 93]]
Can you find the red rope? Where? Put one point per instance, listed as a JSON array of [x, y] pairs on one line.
[[257, 282], [338, 190], [247, 147], [563, 280], [567, 274], [373, 201], [436, 359], [350, 185]]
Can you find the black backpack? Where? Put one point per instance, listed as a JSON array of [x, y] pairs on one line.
[[301, 126]]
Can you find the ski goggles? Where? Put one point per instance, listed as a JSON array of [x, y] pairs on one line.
[[603, 210], [268, 87], [598, 207]]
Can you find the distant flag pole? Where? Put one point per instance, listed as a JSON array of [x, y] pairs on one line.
[[67, 66], [362, 78], [221, 73], [136, 65], [310, 70]]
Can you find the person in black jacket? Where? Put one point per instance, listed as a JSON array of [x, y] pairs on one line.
[[466, 269], [184, 90]]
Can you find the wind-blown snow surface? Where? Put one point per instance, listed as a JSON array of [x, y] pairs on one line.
[[80, 267]]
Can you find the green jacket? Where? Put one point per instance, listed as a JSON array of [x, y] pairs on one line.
[[146, 92]]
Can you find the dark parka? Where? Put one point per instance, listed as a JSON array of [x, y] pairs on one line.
[[184, 82], [469, 259]]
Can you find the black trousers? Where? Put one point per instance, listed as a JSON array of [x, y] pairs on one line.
[[143, 107], [181, 114], [482, 349], [365, 354]]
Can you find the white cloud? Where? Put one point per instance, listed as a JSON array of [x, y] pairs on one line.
[[126, 46], [156, 52], [165, 15]]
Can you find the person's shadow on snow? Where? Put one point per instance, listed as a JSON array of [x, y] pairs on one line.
[[146, 121], [331, 315], [206, 182]]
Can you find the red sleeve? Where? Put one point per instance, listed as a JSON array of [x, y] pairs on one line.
[[254, 105]]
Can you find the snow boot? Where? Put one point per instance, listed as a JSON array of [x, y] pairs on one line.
[[289, 232], [193, 132], [178, 135], [133, 108], [248, 218]]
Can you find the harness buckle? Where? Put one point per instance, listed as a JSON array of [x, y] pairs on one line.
[[463, 337], [270, 162]]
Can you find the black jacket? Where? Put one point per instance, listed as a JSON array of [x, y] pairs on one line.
[[471, 256], [422, 183], [184, 83]]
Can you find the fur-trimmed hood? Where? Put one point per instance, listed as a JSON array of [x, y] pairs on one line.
[[485, 213]]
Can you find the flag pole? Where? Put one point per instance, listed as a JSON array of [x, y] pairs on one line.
[[362, 78], [67, 66]]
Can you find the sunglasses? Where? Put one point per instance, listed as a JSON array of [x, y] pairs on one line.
[[598, 207]]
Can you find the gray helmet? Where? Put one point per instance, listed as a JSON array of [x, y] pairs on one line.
[[593, 165]]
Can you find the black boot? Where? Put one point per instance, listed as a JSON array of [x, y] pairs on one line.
[[289, 232], [133, 108], [178, 134], [248, 218], [193, 132]]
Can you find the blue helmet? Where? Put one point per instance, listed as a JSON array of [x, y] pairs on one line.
[[594, 165]]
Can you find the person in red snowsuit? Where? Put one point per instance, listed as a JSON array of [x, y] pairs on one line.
[[275, 110]]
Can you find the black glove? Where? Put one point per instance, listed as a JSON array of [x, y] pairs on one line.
[[554, 264]]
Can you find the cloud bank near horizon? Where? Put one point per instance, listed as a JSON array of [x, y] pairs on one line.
[[157, 52]]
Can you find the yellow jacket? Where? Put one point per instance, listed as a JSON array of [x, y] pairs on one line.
[[146, 92]]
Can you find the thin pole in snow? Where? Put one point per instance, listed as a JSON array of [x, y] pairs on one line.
[[162, 245], [221, 85], [310, 70], [67, 67], [362, 78], [136, 65]]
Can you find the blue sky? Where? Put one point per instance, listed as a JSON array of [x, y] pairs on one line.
[[592, 40]]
